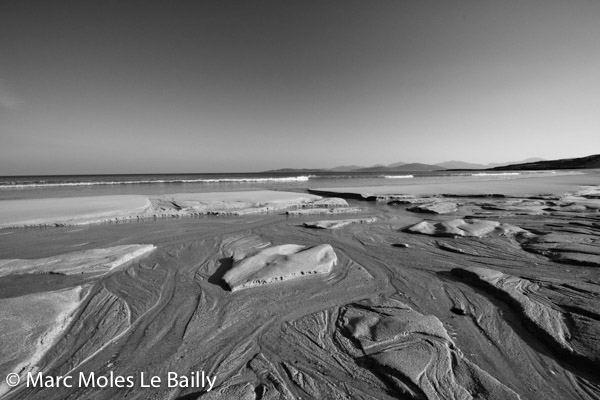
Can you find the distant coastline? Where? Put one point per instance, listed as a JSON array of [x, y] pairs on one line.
[[532, 164]]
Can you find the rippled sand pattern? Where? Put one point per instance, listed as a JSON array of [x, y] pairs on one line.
[[507, 310]]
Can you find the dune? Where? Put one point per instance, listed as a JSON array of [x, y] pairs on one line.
[[279, 263]]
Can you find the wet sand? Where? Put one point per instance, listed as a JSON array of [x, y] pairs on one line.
[[524, 185], [496, 298]]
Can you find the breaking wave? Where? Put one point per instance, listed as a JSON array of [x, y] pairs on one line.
[[496, 174], [397, 176], [21, 184]]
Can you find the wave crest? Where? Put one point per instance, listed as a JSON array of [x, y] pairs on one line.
[[397, 176], [153, 181]]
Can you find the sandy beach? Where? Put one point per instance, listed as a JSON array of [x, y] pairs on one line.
[[298, 200], [484, 290]]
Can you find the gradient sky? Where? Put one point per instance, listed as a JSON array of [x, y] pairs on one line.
[[222, 86]]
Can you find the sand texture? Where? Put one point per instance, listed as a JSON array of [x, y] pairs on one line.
[[338, 223], [104, 209], [498, 299], [471, 227], [30, 325], [236, 203], [278, 264], [435, 208], [325, 211], [95, 261]]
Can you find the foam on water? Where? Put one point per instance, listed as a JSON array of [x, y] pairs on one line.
[[397, 176]]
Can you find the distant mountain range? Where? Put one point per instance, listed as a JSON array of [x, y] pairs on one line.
[[564, 163], [530, 163], [465, 165], [345, 168], [395, 167], [401, 166]]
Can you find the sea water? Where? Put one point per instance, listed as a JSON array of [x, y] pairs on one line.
[[28, 187]]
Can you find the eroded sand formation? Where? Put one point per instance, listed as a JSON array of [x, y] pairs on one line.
[[30, 325], [471, 227], [498, 299], [126, 208], [94, 261], [338, 223], [278, 264], [442, 207]]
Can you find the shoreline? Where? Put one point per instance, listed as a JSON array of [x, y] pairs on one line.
[[72, 211]]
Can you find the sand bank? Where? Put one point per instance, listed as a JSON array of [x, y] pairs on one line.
[[87, 210], [96, 261], [70, 211], [338, 223], [238, 203]]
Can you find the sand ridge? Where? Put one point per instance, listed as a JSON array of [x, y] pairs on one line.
[[99, 209]]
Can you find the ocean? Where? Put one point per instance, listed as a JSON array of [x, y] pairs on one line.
[[28, 187]]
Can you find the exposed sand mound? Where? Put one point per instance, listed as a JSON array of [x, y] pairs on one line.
[[590, 192], [30, 325], [86, 210], [407, 199], [518, 207], [543, 317], [567, 248], [435, 208], [279, 263], [454, 249], [98, 261], [460, 227], [415, 355], [322, 211], [338, 223], [70, 211], [238, 203]]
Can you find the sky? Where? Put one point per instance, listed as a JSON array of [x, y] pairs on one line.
[[95, 87]]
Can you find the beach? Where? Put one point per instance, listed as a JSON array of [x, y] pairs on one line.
[[470, 287]]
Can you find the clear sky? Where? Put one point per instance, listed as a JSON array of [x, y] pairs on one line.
[[221, 86]]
